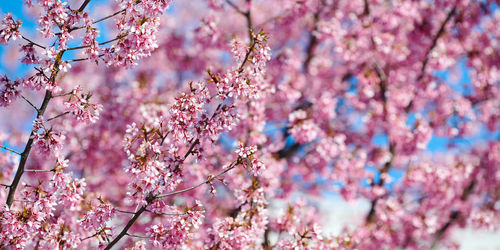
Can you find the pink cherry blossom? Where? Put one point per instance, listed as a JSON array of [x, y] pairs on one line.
[[244, 124]]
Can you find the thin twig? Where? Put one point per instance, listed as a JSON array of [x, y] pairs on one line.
[[108, 17], [65, 94], [82, 59], [433, 45], [392, 150], [101, 19], [200, 184], [125, 212], [434, 41], [235, 7], [159, 213], [30, 41], [103, 43], [39, 170], [30, 103], [137, 236], [24, 201], [5, 185], [91, 236], [11, 150], [247, 14], [247, 56], [57, 116]]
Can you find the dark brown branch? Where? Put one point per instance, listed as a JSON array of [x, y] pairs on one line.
[[434, 41], [108, 17], [454, 216], [383, 94], [371, 214], [313, 42], [152, 198], [440, 32], [235, 7], [247, 56], [190, 151], [129, 224], [26, 152], [366, 10], [24, 155], [89, 237], [247, 14], [84, 4]]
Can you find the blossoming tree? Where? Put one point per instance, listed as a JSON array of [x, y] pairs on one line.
[[166, 124]]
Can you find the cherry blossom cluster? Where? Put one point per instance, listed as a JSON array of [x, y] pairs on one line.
[[9, 29], [80, 106], [47, 139], [174, 232], [138, 29], [8, 91], [229, 124]]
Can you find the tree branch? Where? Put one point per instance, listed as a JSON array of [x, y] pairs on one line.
[[190, 150], [84, 4], [200, 184], [454, 216], [158, 213], [152, 198], [129, 224], [39, 170], [236, 7], [101, 19], [371, 214], [125, 212], [24, 155], [30, 103], [433, 45], [103, 43], [30, 41], [313, 42], [57, 116], [137, 236], [82, 59], [11, 150], [434, 41]]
